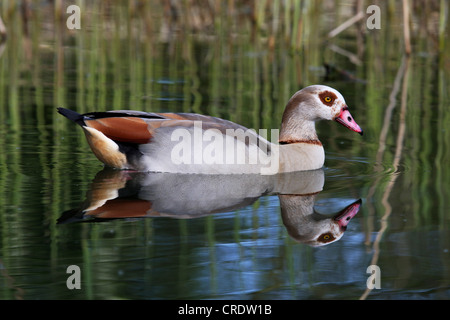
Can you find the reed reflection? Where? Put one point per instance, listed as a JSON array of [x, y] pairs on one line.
[[116, 194]]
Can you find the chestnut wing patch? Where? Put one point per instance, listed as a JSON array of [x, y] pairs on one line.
[[123, 129], [122, 208]]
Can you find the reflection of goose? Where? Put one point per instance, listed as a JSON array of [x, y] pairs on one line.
[[193, 143], [124, 194], [307, 226]]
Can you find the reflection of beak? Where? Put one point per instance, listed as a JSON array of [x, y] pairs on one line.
[[344, 216], [346, 119]]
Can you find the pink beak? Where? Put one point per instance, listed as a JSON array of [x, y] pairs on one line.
[[344, 216], [346, 119]]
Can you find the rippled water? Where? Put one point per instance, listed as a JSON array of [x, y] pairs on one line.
[[220, 237]]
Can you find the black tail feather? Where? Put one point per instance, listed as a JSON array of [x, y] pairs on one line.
[[80, 118], [72, 115]]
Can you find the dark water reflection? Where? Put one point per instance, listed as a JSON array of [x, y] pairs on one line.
[[242, 253], [124, 194], [239, 253]]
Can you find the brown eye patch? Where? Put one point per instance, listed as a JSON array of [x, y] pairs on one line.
[[327, 98], [325, 238]]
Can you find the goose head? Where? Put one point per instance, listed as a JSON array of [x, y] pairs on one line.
[[313, 103], [307, 226]]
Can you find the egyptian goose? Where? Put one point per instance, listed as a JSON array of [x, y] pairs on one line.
[[193, 143]]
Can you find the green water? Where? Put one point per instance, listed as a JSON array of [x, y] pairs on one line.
[[127, 57]]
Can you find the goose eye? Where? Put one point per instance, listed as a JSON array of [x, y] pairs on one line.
[[327, 98], [326, 237]]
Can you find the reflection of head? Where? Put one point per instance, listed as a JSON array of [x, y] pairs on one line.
[[307, 226]]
